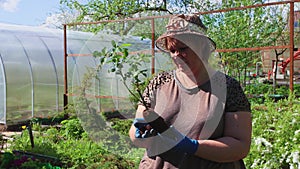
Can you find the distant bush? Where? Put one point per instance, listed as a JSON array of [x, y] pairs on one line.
[[258, 92]]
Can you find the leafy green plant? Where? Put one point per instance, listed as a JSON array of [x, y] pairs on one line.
[[72, 128], [258, 89], [6, 159], [53, 134], [128, 67], [35, 164], [121, 125]]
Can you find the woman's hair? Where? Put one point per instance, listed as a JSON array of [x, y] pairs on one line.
[[171, 42]]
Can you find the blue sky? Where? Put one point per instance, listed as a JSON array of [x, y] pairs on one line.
[[27, 12], [31, 12]]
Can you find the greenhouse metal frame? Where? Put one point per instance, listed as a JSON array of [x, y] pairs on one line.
[[32, 69]]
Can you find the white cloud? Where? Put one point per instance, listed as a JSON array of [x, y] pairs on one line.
[[9, 5]]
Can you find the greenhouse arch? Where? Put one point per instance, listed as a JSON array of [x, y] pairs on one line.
[[32, 68]]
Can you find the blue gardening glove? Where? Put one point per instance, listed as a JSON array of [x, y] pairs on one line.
[[182, 144], [143, 129], [169, 139]]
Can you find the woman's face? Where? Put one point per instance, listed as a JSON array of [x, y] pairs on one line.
[[185, 59]]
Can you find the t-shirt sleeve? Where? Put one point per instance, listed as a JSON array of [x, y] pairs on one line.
[[149, 93], [236, 99]]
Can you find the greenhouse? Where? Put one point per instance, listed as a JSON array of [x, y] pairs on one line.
[[32, 68]]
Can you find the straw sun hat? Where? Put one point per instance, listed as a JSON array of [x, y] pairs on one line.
[[183, 24]]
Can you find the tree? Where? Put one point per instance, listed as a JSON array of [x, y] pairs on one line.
[[282, 38], [100, 10], [254, 27], [57, 19], [95, 10]]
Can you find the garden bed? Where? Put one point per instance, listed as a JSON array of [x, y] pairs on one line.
[[22, 159]]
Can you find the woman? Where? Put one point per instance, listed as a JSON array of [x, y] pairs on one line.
[[194, 116]]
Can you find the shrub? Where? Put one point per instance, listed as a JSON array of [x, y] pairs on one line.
[[72, 128], [121, 125], [276, 135]]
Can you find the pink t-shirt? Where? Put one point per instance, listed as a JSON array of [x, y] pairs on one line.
[[196, 112]]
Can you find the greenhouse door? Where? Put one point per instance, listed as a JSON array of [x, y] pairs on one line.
[[2, 93]]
